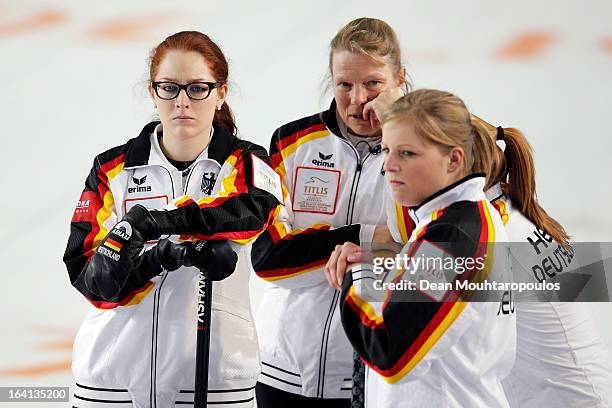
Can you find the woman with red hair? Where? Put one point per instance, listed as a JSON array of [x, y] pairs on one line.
[[186, 175]]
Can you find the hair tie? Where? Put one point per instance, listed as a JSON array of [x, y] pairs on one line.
[[500, 133]]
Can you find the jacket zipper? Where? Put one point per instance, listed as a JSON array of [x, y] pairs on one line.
[[155, 320], [349, 220]]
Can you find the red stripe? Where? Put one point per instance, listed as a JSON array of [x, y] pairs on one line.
[[97, 204], [277, 157], [408, 223], [416, 345], [484, 229], [128, 299], [365, 319], [235, 235], [291, 235], [115, 243], [275, 273]]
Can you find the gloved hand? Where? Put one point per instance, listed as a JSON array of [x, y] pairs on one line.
[[110, 266], [215, 257]]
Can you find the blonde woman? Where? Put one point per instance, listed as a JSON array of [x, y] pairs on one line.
[[434, 348], [331, 166], [561, 359]]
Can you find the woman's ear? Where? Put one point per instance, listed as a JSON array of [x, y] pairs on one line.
[[456, 159], [401, 76], [151, 93], [222, 93]]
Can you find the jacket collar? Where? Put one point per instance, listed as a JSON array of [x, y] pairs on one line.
[[140, 151], [469, 188], [329, 119], [494, 193]]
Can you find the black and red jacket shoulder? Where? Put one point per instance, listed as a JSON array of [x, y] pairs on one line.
[[244, 211]]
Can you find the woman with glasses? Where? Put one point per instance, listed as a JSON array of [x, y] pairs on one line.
[[332, 169], [201, 183]]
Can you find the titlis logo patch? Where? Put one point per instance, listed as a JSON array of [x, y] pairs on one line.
[[111, 247], [141, 188], [323, 162], [208, 182]]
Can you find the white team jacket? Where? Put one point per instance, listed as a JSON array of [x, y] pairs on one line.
[[439, 353], [561, 359], [329, 190], [140, 350]]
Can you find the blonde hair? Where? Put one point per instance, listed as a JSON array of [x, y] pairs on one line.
[[372, 37], [443, 119], [516, 174]]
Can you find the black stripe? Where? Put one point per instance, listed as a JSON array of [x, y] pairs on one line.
[[218, 391], [348, 209], [347, 379], [361, 163], [152, 346], [280, 369], [324, 340], [283, 381], [445, 189], [497, 198], [104, 401], [345, 389], [216, 402], [335, 303], [364, 277], [99, 389], [156, 330]]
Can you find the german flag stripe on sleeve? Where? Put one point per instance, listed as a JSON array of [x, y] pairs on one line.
[[393, 345], [131, 299], [286, 146], [239, 211], [281, 254], [404, 222]]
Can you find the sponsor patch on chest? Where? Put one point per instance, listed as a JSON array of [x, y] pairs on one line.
[[316, 190]]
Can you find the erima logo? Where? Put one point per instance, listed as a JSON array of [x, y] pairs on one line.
[[323, 161], [139, 182]]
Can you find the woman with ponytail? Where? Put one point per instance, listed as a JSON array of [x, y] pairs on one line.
[[187, 176], [438, 346], [561, 359]]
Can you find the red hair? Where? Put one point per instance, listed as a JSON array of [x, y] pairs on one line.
[[207, 48]]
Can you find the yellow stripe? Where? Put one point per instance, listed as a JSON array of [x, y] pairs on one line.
[[275, 278], [457, 308], [430, 342], [114, 171], [139, 296], [104, 214], [401, 222], [108, 203], [108, 244], [289, 150], [228, 188], [365, 307]]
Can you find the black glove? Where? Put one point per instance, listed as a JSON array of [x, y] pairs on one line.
[[119, 253], [215, 257]]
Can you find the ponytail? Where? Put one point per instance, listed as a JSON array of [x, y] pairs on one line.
[[485, 157], [516, 174]]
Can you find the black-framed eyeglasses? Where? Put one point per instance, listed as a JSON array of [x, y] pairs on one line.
[[195, 90]]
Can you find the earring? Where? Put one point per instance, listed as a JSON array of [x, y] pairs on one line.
[[219, 107]]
